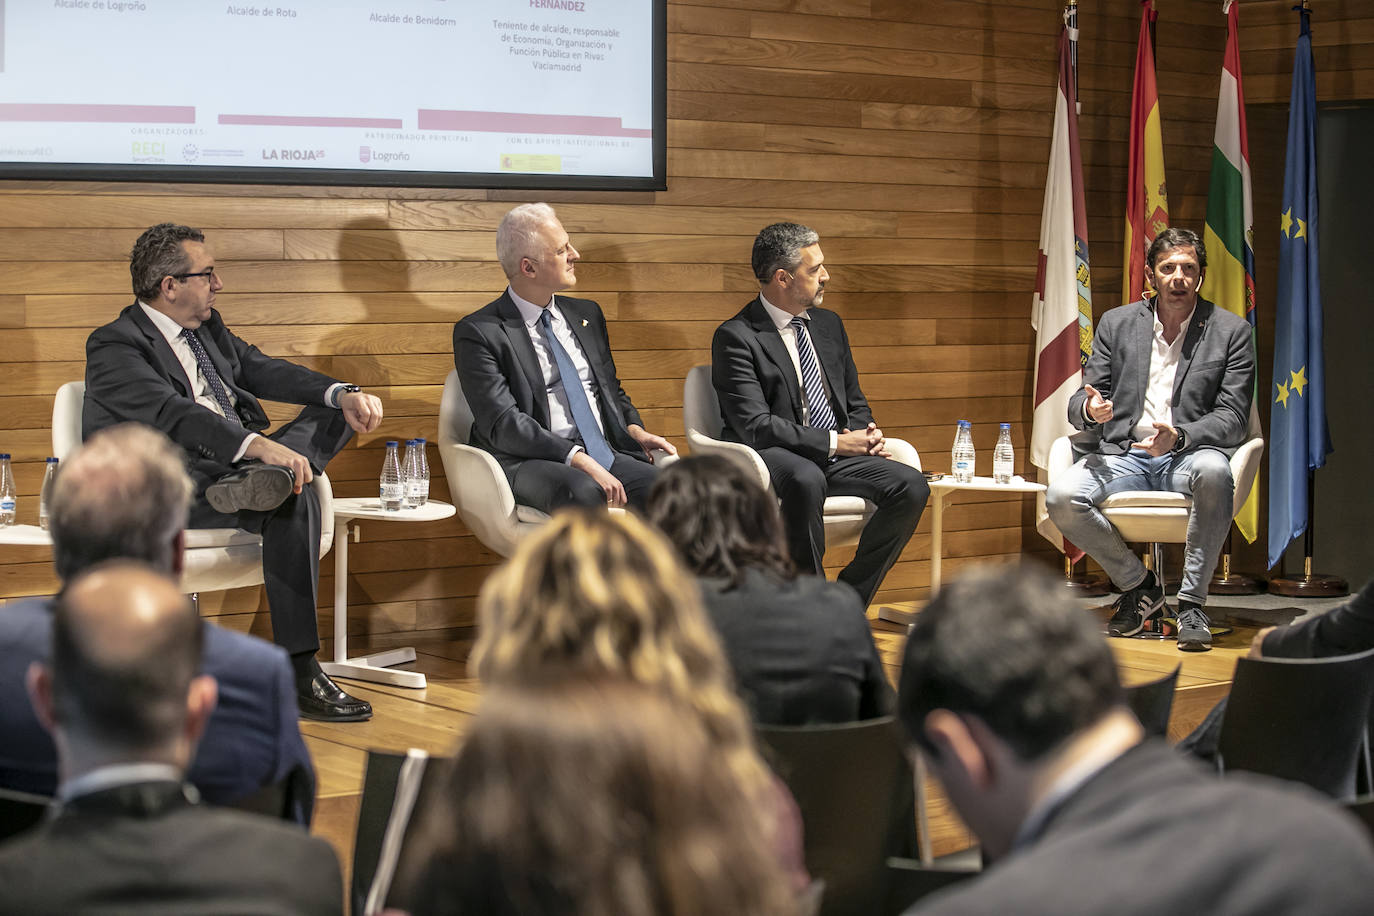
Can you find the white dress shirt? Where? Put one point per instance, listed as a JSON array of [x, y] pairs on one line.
[[1159, 394], [560, 413], [783, 322]]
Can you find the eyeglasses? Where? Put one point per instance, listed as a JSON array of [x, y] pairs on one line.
[[208, 273]]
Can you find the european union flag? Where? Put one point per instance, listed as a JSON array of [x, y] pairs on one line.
[[1297, 411]]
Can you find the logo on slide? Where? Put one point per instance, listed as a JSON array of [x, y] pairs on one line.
[[293, 154], [364, 154], [190, 152]]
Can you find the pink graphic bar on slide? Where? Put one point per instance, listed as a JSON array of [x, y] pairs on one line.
[[515, 123], [98, 114], [307, 121]]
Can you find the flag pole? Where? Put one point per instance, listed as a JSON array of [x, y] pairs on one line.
[[1309, 584]]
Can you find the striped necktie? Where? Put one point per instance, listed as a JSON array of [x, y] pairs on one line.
[[212, 379], [819, 413]]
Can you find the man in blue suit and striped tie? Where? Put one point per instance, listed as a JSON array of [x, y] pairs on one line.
[[788, 388]]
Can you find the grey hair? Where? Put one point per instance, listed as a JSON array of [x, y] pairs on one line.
[[124, 494], [515, 235], [157, 254], [779, 246]]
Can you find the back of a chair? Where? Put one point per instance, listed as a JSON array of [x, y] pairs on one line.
[[1363, 810], [290, 799], [66, 418], [908, 881], [854, 785], [700, 408], [455, 416], [1153, 702], [1302, 719], [392, 783]]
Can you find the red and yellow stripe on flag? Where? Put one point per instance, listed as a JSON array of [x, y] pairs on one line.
[[1147, 202], [1229, 234]]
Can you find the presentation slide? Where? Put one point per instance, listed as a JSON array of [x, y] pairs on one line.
[[555, 89]]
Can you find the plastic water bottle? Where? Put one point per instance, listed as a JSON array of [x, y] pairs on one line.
[[961, 456], [410, 467], [49, 474], [8, 496], [393, 492], [422, 462], [407, 463], [1003, 459]]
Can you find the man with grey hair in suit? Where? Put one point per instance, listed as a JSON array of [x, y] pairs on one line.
[[1167, 393]]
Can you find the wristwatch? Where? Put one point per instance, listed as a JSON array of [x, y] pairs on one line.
[[343, 390], [1181, 444]]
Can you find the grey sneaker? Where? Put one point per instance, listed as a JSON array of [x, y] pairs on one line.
[[1141, 607], [1194, 629]]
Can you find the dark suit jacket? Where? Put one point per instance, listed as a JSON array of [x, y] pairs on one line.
[[1343, 630], [253, 737], [132, 374], [500, 375], [1213, 387], [756, 382], [1243, 845], [802, 651], [145, 849]]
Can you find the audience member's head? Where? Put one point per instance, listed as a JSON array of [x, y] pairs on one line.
[[593, 592], [121, 685], [1004, 681], [124, 494], [591, 795], [721, 519]]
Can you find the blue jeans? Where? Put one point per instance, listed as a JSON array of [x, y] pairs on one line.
[[1204, 474]]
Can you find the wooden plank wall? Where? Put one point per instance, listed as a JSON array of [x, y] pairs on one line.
[[912, 134]]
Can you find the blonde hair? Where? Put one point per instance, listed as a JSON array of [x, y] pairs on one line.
[[595, 592]]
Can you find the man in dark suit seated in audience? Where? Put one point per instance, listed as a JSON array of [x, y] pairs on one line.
[[1012, 695], [789, 389], [170, 362], [124, 495], [559, 444], [1346, 629], [125, 705]]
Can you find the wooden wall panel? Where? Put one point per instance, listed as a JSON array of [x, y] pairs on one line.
[[912, 134]]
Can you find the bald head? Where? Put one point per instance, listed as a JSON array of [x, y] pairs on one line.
[[124, 494], [126, 647]]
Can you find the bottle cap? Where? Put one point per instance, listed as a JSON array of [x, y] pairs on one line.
[[52, 461], [420, 441], [5, 456], [1006, 426], [410, 442], [965, 424], [391, 443]]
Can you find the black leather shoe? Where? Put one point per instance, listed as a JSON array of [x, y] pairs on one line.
[[324, 701], [257, 487]]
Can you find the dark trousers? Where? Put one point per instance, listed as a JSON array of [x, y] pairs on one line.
[[551, 485], [290, 532], [899, 491]]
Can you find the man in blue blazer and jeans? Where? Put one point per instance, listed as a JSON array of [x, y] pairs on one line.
[[1167, 391]]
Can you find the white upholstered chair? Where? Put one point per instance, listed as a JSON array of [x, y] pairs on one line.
[[845, 516], [1156, 517], [476, 482], [216, 558]]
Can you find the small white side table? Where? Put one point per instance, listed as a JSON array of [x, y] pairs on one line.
[[374, 667], [25, 536], [939, 489]]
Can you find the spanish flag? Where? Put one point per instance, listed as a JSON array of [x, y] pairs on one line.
[[1229, 233], [1147, 203]]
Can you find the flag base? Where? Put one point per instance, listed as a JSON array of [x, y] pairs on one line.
[[1085, 585], [1312, 585], [1229, 582]]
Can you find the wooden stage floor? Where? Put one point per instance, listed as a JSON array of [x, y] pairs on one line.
[[434, 719]]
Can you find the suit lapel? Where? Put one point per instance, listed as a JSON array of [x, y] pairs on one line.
[[1142, 346], [1192, 336], [167, 360], [519, 337], [776, 350]]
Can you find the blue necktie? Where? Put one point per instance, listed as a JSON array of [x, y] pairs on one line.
[[212, 379], [819, 413], [592, 439]]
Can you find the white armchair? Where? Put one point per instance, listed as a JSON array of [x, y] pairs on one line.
[[1155, 517], [215, 558], [845, 516], [476, 482]]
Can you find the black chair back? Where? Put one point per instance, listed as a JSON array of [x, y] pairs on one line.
[[853, 784], [392, 787], [291, 799], [908, 881], [1363, 809], [1303, 719], [20, 811], [1153, 702]]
